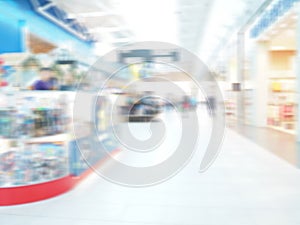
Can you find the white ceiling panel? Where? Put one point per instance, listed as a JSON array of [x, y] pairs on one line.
[[201, 26]]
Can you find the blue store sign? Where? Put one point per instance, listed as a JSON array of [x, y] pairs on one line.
[[12, 36], [271, 16]]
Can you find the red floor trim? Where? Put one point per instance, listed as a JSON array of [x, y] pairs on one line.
[[35, 192]]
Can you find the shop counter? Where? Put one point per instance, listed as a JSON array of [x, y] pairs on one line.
[[39, 158]]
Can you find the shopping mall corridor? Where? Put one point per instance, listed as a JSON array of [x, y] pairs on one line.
[[246, 185]]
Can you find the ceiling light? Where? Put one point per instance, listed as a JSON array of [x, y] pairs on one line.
[[97, 14], [283, 25], [274, 31], [107, 29], [264, 38], [278, 48], [70, 16]]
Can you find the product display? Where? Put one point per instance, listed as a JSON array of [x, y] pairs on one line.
[[230, 106], [34, 136], [282, 104], [32, 163], [38, 80], [34, 123]]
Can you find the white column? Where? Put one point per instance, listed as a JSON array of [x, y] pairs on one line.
[[261, 73], [240, 101]]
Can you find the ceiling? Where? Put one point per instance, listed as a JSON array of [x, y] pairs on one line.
[[282, 34], [201, 26]]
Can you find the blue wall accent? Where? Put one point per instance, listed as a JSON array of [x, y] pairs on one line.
[[12, 11], [11, 35]]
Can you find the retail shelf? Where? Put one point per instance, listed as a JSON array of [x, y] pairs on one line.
[[280, 104], [48, 139], [293, 132], [283, 92], [282, 78]]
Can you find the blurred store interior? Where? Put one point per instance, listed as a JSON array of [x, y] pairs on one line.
[[85, 85]]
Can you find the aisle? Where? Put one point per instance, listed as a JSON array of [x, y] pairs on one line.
[[246, 185]]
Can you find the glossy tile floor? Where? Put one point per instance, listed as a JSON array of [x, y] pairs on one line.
[[246, 185]]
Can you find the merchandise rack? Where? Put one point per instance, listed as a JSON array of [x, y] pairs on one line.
[[282, 106], [16, 192]]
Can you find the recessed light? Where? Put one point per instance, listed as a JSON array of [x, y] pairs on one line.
[[277, 48], [265, 38], [283, 25], [273, 31]]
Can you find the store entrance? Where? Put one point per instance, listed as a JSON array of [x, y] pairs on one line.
[[282, 102]]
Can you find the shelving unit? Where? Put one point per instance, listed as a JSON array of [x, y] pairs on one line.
[[282, 106], [46, 139], [230, 107], [27, 155], [248, 104]]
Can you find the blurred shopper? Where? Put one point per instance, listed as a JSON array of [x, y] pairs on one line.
[[53, 81], [185, 103], [44, 83], [211, 105], [193, 102]]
